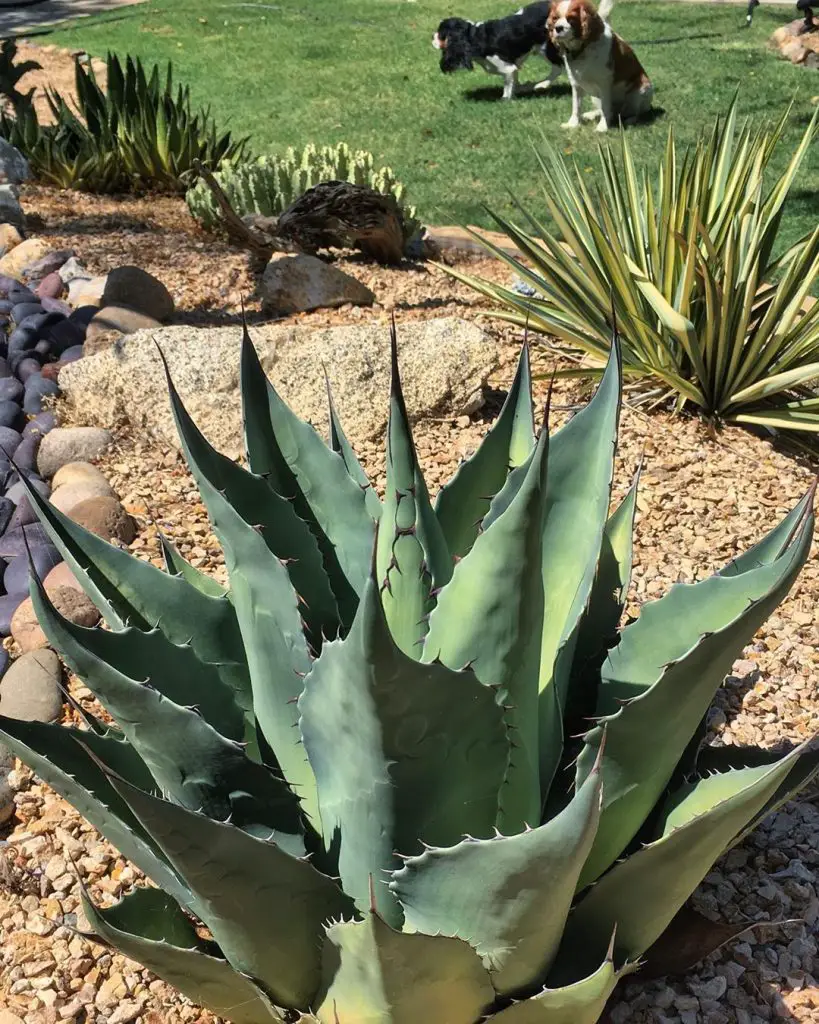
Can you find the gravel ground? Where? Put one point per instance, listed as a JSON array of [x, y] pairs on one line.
[[701, 501]]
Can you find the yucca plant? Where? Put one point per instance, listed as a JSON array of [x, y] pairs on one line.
[[710, 310], [138, 133], [269, 184], [357, 767]]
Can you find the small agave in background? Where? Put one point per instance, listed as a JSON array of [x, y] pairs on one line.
[[407, 768]]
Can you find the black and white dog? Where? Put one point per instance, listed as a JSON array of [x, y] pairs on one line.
[[499, 46]]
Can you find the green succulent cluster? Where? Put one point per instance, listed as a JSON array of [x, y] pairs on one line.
[[139, 133], [407, 768], [269, 184]]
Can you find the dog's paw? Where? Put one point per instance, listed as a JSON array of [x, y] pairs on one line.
[[571, 123], [543, 86], [592, 115], [602, 126]]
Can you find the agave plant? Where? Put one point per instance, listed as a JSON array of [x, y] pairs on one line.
[[356, 767], [138, 133], [268, 185], [710, 310]]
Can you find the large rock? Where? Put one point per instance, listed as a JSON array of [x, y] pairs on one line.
[[110, 324], [83, 291], [30, 690], [14, 169], [9, 237], [71, 603], [70, 444], [21, 257], [105, 517], [136, 289], [11, 212], [444, 364], [66, 497], [296, 284], [81, 473]]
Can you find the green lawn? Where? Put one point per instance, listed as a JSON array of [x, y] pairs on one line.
[[293, 71]]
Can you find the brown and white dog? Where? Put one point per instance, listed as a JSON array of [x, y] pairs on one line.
[[599, 64]]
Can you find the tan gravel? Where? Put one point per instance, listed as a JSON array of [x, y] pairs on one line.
[[702, 499]]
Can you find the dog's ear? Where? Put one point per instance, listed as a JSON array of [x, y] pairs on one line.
[[586, 15]]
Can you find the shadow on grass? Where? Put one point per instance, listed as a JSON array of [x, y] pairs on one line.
[[494, 94]]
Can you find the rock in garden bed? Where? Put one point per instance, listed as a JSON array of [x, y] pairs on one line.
[[445, 364]]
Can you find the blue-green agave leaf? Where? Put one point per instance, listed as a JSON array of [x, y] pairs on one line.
[[641, 894], [265, 909], [340, 444], [661, 679], [287, 536], [489, 616], [412, 560], [149, 927], [464, 501], [508, 896], [376, 975], [192, 763], [177, 565], [59, 755], [299, 465], [402, 752]]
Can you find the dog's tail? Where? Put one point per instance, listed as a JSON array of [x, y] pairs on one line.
[[604, 10]]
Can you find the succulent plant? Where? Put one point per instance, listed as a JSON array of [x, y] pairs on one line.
[[407, 767], [268, 185], [137, 133]]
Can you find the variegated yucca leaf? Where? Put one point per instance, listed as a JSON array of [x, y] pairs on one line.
[[709, 309], [406, 766]]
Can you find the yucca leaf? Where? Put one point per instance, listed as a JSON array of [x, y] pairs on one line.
[[375, 975]]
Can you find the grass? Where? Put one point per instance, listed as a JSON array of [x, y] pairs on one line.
[[294, 71]]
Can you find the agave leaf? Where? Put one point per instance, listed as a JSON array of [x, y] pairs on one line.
[[641, 894], [265, 909], [341, 446], [489, 617], [375, 975], [179, 566], [300, 466], [775, 542], [667, 668], [148, 927], [254, 500], [194, 764], [508, 896], [581, 466], [580, 1002], [412, 560], [59, 755], [597, 632], [402, 752], [268, 613], [464, 501]]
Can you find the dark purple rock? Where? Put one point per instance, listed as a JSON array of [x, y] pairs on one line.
[[23, 310], [16, 576], [11, 415], [25, 458], [71, 355], [55, 306], [11, 390], [12, 544], [8, 606], [42, 321], [6, 512], [51, 286], [38, 387], [66, 334], [48, 264], [33, 478], [39, 426], [9, 441], [4, 661], [24, 513], [84, 315], [6, 307], [4, 369], [19, 293], [7, 283], [26, 366], [23, 339]]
